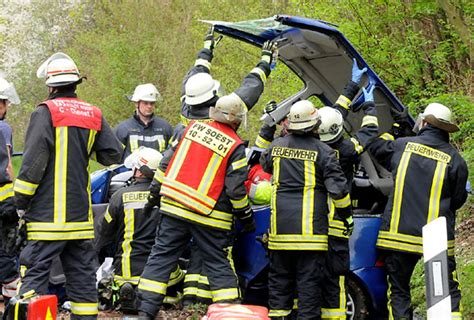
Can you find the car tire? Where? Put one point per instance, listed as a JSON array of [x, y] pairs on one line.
[[358, 303]]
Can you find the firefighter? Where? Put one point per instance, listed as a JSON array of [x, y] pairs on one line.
[[305, 171], [52, 191], [9, 276], [133, 231], [348, 152], [200, 92], [144, 128], [201, 192], [429, 182]]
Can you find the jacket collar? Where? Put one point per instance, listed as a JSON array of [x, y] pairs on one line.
[[137, 118], [431, 131]]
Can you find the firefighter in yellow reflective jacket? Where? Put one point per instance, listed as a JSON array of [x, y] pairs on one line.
[[202, 190], [305, 171], [53, 185], [429, 182], [132, 231]]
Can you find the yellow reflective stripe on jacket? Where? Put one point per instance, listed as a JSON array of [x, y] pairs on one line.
[[91, 140], [25, 187], [397, 245], [159, 175], [357, 147], [198, 292], [178, 159], [278, 313], [129, 229], [239, 164], [398, 191], [215, 219], [107, 216], [387, 136], [202, 62], [121, 280], [260, 142], [133, 142], [342, 203], [152, 286], [298, 237], [369, 120], [59, 227], [333, 313], [308, 197], [6, 191], [435, 193], [337, 229], [69, 235], [276, 177], [225, 294], [343, 101], [298, 242], [208, 176], [260, 73], [60, 177], [84, 309], [239, 204]]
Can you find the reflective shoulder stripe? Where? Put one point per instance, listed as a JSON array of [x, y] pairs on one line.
[[358, 148], [239, 164], [260, 73], [386, 136], [369, 120], [343, 101], [84, 309], [342, 203], [152, 286], [6, 191], [203, 62], [25, 187], [260, 142], [239, 204]]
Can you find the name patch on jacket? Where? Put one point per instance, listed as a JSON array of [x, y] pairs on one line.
[[299, 154], [427, 152], [74, 113], [210, 138]]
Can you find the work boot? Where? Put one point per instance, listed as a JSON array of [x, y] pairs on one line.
[[128, 298]]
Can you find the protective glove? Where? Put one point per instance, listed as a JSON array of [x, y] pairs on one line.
[[349, 224], [209, 41], [263, 239], [369, 93], [356, 72], [16, 236], [269, 50], [270, 106], [245, 216], [401, 126], [153, 201]]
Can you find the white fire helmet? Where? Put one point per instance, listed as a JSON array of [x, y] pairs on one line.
[[8, 92], [439, 116], [303, 116], [59, 70], [145, 92], [201, 88], [229, 109], [332, 124], [143, 156]]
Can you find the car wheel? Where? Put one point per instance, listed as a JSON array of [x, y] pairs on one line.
[[357, 302]]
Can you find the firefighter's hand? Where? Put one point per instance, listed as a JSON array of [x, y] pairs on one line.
[[209, 41], [153, 201], [270, 106], [263, 240], [248, 225], [349, 224], [268, 49], [356, 72], [369, 93]]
